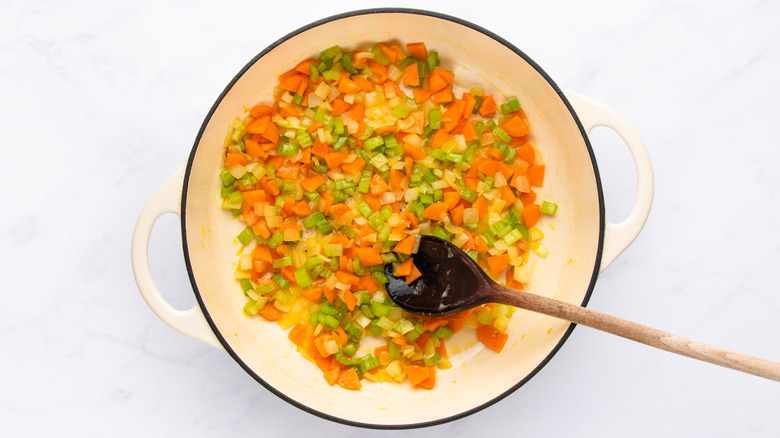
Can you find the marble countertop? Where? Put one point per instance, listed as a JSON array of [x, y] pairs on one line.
[[101, 102]]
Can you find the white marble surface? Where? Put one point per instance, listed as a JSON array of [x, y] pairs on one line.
[[100, 102]]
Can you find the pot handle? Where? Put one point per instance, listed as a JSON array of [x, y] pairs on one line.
[[167, 199], [618, 236]]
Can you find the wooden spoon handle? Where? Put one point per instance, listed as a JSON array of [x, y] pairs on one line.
[[639, 333]]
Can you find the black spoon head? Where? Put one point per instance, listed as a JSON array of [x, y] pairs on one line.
[[451, 281]]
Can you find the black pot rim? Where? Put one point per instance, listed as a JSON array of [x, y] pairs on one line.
[[183, 216]]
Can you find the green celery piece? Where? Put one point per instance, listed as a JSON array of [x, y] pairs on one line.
[[275, 240], [302, 278], [468, 194], [246, 236], [282, 262], [346, 61], [510, 107], [431, 361], [549, 208], [227, 178]]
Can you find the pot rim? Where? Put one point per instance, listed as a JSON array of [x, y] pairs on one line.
[[371, 11]]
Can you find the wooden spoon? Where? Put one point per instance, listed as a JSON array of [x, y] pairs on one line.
[[451, 282]]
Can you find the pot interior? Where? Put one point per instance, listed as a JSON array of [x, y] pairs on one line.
[[478, 376]]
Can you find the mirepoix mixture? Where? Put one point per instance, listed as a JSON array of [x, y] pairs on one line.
[[361, 152]]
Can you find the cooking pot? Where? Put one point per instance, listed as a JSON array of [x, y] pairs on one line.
[[581, 242]]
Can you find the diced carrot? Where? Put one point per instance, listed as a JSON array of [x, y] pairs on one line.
[[312, 183], [421, 95], [298, 334], [319, 148], [444, 95], [254, 149], [528, 198], [396, 179], [457, 214], [326, 200], [417, 373], [339, 106], [379, 70], [288, 170], [341, 340], [405, 247], [373, 202], [492, 338], [451, 117], [430, 382], [507, 196], [313, 294], [536, 175], [531, 214], [414, 275], [498, 263], [259, 125], [417, 50], [301, 208], [350, 300], [368, 283], [345, 266], [435, 323], [339, 212], [263, 253], [364, 84], [411, 75], [334, 159], [516, 126], [271, 133], [330, 293], [271, 188], [527, 153], [439, 78], [378, 185], [457, 321], [319, 343], [358, 111], [495, 153], [481, 205], [413, 151], [521, 181], [258, 111], [292, 82], [436, 210], [369, 256], [332, 376], [388, 51], [349, 380], [404, 268], [439, 138], [270, 312], [469, 132], [488, 167], [468, 104], [505, 170], [348, 86], [252, 197], [236, 159], [347, 278], [488, 107], [354, 167]]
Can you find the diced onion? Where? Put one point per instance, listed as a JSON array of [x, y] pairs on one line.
[[386, 198], [412, 194], [460, 240], [470, 216]]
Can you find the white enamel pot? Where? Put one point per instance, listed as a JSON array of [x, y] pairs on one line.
[[581, 245]]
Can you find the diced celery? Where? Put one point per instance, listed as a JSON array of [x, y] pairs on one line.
[[444, 332], [510, 107], [432, 360], [227, 178], [275, 240], [468, 194], [302, 278], [245, 236], [549, 208], [282, 262]]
